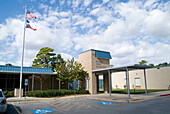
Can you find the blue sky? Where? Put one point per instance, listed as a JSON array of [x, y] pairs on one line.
[[131, 30]]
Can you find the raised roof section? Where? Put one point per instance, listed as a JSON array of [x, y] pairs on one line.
[[100, 54], [4, 68]]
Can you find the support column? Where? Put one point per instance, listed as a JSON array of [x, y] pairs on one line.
[[146, 92], [94, 84], [33, 82], [106, 83], [97, 84], [127, 74], [109, 83]]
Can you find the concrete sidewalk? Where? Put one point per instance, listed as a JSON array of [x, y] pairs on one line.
[[106, 97]]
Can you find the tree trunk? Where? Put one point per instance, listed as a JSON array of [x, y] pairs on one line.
[[41, 84], [59, 85]]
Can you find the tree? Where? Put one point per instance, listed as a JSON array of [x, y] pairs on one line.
[[152, 65], [69, 71], [55, 61], [76, 71], [143, 62], [162, 64], [44, 58], [62, 73], [41, 78], [9, 64]]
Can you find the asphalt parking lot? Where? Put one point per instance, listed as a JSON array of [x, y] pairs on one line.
[[57, 106], [91, 106]]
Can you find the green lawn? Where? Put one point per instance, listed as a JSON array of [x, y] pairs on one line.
[[134, 91]]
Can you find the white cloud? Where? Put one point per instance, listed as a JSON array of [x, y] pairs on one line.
[[87, 2], [52, 1], [105, 1], [129, 31], [66, 56], [45, 7], [158, 24], [75, 3]]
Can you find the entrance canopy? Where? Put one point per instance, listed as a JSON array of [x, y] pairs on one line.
[[119, 69]]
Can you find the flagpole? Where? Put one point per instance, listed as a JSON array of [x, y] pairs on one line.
[[22, 59]]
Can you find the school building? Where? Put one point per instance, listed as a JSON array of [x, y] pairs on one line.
[[38, 78], [97, 64], [100, 75]]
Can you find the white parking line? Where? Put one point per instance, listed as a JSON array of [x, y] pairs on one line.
[[16, 108]]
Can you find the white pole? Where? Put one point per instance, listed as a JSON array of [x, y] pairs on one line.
[[22, 53]]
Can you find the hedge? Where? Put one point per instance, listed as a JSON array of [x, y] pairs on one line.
[[9, 93], [54, 93]]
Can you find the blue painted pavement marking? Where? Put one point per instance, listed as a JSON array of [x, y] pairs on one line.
[[105, 103], [42, 111]]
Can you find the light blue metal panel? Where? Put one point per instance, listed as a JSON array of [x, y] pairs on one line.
[[25, 69], [102, 54]]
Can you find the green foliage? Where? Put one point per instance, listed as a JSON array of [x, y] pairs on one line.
[[44, 58], [162, 64], [70, 70], [9, 93], [143, 62], [9, 64], [152, 65], [134, 91], [56, 61], [54, 93]]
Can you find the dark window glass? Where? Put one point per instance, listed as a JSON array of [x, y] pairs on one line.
[[1, 94]]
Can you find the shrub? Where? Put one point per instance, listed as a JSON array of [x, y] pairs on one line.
[[9, 93], [54, 93]]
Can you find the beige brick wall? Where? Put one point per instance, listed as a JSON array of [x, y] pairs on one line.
[[90, 62], [156, 78]]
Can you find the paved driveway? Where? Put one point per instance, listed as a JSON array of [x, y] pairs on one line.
[[91, 106]]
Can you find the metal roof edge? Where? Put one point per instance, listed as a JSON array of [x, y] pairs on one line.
[[26, 67], [93, 50], [123, 67], [27, 72]]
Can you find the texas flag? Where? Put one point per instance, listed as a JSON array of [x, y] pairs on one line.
[[28, 26], [30, 15]]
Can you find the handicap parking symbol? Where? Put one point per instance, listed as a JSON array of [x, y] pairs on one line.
[[42, 111], [105, 103]]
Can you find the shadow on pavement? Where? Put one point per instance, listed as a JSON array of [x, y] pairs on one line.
[[11, 109]]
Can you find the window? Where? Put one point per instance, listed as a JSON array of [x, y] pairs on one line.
[[87, 83], [73, 85], [100, 83], [137, 82], [125, 81]]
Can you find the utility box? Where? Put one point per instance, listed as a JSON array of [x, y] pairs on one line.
[[16, 92]]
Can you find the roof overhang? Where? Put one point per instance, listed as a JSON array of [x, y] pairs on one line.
[[119, 69], [28, 73]]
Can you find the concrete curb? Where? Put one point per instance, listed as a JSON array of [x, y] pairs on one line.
[[104, 97]]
